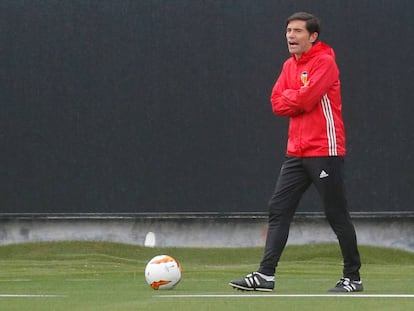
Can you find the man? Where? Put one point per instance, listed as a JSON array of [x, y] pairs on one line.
[[308, 92]]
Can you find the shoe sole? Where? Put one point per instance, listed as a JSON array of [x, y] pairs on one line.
[[258, 289], [345, 291]]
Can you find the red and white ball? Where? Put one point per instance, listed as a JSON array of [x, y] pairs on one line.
[[163, 272]]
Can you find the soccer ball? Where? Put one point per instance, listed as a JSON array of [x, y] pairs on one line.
[[163, 272]]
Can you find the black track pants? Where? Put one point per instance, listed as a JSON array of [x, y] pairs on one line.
[[296, 175]]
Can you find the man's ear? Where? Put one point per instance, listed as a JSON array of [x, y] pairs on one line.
[[313, 37]]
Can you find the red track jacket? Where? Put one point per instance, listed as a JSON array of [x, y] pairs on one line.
[[308, 91]]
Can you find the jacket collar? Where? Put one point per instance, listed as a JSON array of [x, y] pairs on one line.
[[317, 49]]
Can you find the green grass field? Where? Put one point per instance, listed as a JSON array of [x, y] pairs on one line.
[[108, 276]]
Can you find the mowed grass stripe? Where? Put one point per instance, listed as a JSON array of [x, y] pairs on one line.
[[103, 276], [30, 296], [345, 295]]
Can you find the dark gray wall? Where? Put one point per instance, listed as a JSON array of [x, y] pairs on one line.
[[163, 105]]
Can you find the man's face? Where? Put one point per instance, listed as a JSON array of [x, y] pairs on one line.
[[299, 40]]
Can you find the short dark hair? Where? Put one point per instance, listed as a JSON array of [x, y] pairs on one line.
[[312, 22]]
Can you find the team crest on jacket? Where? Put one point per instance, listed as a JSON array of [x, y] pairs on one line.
[[304, 77]]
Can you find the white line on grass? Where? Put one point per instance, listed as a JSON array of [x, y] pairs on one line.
[[291, 295]]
